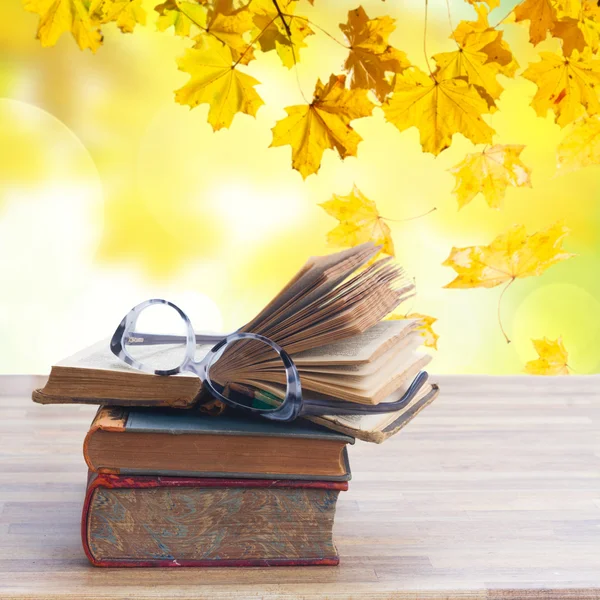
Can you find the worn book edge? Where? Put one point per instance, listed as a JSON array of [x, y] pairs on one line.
[[379, 436], [110, 418]]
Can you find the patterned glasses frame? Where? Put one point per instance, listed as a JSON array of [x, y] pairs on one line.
[[293, 405]]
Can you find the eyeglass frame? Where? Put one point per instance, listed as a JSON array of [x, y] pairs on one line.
[[293, 405]]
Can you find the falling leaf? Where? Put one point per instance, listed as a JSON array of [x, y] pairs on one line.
[[541, 16], [566, 85], [125, 13], [581, 147], [181, 16], [325, 123], [283, 33], [489, 173], [215, 81], [424, 327], [360, 222], [480, 57], [552, 358], [512, 255], [371, 57], [62, 16], [439, 109]]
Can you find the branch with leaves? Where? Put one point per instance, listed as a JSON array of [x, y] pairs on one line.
[[459, 91], [456, 95]]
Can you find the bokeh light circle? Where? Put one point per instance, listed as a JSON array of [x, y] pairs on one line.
[[560, 309]]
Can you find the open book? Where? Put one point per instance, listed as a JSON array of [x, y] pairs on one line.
[[329, 317]]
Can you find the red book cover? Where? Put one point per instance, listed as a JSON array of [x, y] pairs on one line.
[[140, 521]]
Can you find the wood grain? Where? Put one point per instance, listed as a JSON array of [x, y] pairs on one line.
[[493, 492]]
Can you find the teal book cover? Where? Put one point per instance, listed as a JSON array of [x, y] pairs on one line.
[[188, 443]]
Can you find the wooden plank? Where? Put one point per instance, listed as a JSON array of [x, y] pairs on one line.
[[492, 493]]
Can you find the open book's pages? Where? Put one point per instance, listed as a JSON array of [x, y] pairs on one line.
[[328, 317], [367, 382]]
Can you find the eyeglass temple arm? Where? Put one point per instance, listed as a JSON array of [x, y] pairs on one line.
[[341, 407], [151, 339]]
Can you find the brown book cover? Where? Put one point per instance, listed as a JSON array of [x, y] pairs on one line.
[[190, 443], [195, 522]]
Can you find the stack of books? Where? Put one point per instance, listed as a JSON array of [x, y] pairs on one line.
[[176, 481]]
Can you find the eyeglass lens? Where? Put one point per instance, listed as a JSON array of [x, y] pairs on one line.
[[250, 373], [158, 338]]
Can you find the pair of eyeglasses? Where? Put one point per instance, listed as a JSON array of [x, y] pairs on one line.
[[157, 337]]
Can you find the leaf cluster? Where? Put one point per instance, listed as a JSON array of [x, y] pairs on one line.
[[455, 95]]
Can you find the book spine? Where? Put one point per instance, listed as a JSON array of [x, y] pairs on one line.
[[110, 481], [107, 419]]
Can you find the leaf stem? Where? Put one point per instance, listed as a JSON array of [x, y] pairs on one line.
[[507, 14], [251, 44], [285, 25], [499, 302], [425, 39], [312, 24], [288, 32], [410, 218], [450, 23]]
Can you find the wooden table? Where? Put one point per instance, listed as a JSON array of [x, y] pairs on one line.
[[492, 492]]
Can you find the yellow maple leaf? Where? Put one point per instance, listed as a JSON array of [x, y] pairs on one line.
[[581, 147], [216, 81], [578, 25], [310, 129], [480, 57], [284, 33], [181, 16], [360, 222], [424, 327], [496, 49], [125, 13], [230, 26], [489, 173], [541, 15], [512, 255], [371, 57], [566, 85], [62, 16], [552, 359], [439, 109]]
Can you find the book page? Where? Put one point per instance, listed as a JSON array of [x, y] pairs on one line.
[[308, 275], [359, 348], [372, 382], [99, 356], [347, 373]]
